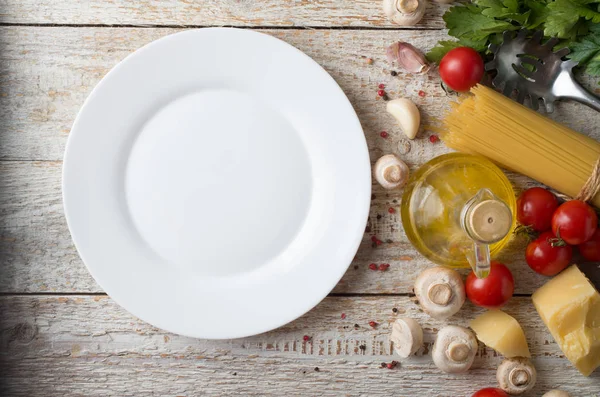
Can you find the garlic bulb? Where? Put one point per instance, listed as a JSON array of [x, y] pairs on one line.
[[408, 57]]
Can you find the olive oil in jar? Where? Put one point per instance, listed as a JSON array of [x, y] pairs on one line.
[[434, 201]]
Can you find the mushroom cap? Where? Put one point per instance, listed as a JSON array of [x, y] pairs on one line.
[[391, 172], [407, 336], [454, 349], [404, 12], [516, 375], [440, 291]]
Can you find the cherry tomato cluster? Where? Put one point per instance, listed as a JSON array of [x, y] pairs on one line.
[[562, 226]]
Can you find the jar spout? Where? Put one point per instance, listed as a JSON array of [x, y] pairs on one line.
[[486, 219]]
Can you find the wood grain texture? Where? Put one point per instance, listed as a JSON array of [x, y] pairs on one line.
[[37, 255], [70, 344], [46, 73], [264, 13]]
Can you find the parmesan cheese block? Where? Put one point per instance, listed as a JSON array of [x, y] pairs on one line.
[[502, 333], [570, 307]]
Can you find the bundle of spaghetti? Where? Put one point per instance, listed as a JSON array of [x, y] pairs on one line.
[[519, 139]]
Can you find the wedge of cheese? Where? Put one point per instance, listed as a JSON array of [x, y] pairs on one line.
[[502, 333], [569, 305]]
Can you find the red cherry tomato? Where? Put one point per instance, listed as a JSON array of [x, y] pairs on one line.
[[493, 291], [590, 250], [546, 259], [575, 222], [535, 207], [491, 392], [461, 68]]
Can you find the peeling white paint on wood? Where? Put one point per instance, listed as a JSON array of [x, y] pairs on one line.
[[285, 13], [67, 343]]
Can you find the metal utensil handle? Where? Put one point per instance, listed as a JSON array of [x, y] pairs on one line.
[[580, 94]]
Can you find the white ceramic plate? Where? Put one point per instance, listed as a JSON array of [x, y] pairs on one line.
[[217, 183]]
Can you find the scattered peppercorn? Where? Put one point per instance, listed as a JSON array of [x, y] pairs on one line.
[[373, 266], [379, 216], [389, 241], [383, 134], [368, 229], [392, 365], [235, 373], [381, 86], [372, 197], [381, 92], [356, 326], [422, 93], [355, 267], [391, 210], [395, 310], [362, 347], [317, 369], [434, 138], [373, 324], [383, 365], [394, 73], [343, 316], [306, 338], [384, 266], [369, 61]]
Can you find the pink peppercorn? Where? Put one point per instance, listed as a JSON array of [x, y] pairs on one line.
[[434, 138], [383, 134]]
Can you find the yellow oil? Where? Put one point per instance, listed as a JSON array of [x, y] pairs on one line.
[[434, 198]]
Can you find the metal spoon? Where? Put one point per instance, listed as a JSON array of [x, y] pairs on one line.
[[547, 77]]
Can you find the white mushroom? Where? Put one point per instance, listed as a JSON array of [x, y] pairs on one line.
[[406, 114], [407, 336], [454, 349], [516, 375], [556, 393], [390, 172], [440, 291], [404, 12]]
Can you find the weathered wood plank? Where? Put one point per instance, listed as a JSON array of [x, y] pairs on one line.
[[264, 13], [37, 255], [70, 344], [46, 74]]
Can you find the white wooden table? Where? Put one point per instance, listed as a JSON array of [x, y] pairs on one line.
[[61, 335]]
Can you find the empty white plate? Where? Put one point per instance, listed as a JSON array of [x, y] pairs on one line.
[[217, 183]]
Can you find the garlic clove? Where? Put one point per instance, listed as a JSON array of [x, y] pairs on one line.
[[556, 393], [407, 114], [391, 172], [404, 12], [407, 57]]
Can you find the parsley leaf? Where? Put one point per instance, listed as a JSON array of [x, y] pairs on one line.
[[468, 23], [587, 52], [437, 53]]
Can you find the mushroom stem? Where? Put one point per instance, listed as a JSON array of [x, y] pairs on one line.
[[454, 349], [516, 375], [405, 12], [440, 291], [390, 172], [440, 294]]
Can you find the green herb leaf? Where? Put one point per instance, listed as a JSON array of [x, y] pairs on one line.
[[538, 13], [587, 52], [468, 23], [563, 15], [437, 53]]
